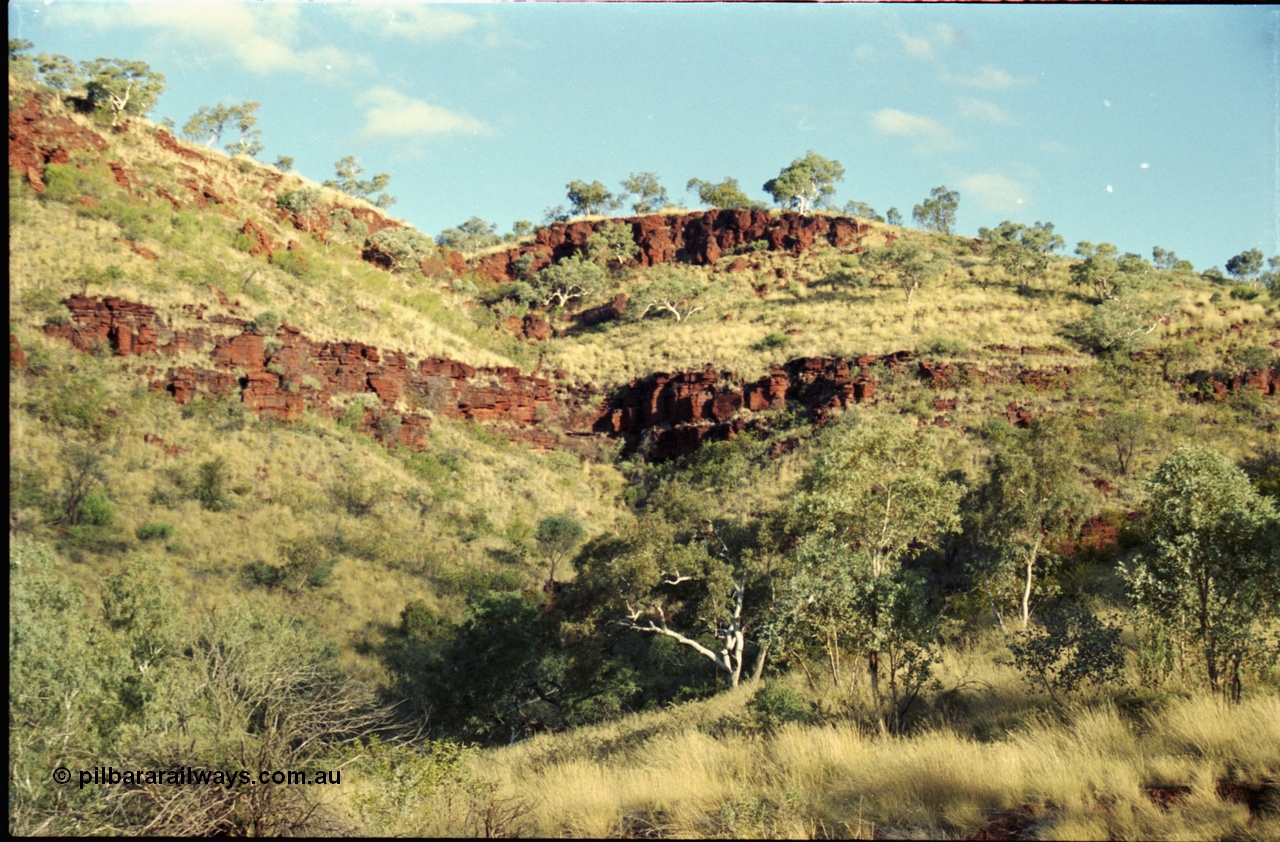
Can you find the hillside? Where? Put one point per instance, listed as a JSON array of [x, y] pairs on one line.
[[270, 446]]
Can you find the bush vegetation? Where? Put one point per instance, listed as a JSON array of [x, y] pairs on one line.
[[875, 626]]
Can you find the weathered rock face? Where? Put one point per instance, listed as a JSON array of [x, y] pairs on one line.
[[285, 377], [679, 411], [670, 414], [37, 139], [699, 238]]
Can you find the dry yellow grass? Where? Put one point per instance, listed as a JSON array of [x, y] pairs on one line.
[[1084, 775]]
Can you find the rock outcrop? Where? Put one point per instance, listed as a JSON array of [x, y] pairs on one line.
[[37, 139], [699, 238], [285, 374]]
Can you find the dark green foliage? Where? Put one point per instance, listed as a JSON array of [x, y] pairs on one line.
[[307, 563], [938, 212], [572, 278], [83, 472], [95, 510], [1032, 499], [117, 87], [1263, 470], [210, 486], [1107, 275], [611, 246], [1246, 266], [265, 323], [806, 182], [912, 263], [1121, 325], [726, 194], [79, 402], [260, 574], [1206, 582], [773, 340], [406, 248], [591, 199], [1067, 648], [471, 236], [649, 194], [1022, 250], [557, 537], [352, 492], [1125, 434], [775, 704]]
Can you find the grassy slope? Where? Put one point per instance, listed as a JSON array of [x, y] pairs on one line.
[[710, 769], [459, 519]]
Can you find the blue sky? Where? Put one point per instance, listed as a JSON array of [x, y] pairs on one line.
[[1140, 125]]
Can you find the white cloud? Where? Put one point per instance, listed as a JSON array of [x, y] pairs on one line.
[[408, 21], [942, 35], [981, 109], [992, 78], [934, 135], [259, 38], [391, 114], [864, 52], [994, 191], [917, 47]]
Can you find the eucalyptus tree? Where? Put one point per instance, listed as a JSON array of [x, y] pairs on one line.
[[938, 212], [118, 87], [1207, 579], [1022, 251], [805, 182], [726, 194], [591, 199], [1032, 496], [876, 497], [650, 195]]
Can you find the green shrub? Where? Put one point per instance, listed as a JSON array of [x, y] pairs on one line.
[[405, 247], [1067, 648], [308, 563], [96, 510], [944, 347], [289, 261], [301, 200], [242, 242], [265, 323], [210, 485], [775, 704], [155, 531], [775, 339]]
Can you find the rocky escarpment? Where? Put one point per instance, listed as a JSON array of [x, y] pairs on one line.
[[699, 238], [282, 374], [37, 139]]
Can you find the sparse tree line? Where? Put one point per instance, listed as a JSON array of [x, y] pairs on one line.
[[882, 557]]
